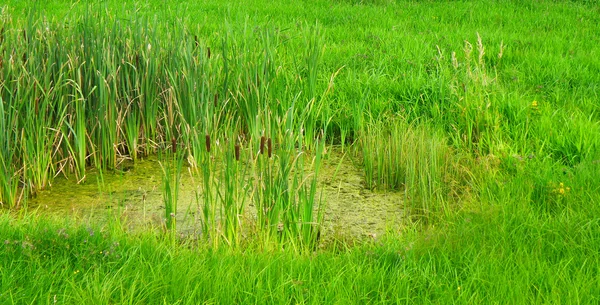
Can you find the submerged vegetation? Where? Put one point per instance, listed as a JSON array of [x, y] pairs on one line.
[[487, 127]]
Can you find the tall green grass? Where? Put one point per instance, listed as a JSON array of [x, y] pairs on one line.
[[107, 89], [488, 124], [416, 159], [477, 258]]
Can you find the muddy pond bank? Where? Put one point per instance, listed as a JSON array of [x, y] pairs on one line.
[[134, 195]]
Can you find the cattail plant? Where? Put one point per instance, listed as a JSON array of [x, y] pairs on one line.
[[172, 166], [237, 152], [285, 188], [231, 194], [101, 89], [262, 145], [269, 147]]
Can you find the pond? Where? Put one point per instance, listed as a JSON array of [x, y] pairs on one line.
[[133, 195]]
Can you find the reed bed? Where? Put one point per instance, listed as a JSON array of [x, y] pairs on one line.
[[99, 90]]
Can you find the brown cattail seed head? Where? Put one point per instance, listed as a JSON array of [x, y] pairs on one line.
[[270, 147], [174, 145], [262, 144], [207, 143], [208, 52], [237, 152]]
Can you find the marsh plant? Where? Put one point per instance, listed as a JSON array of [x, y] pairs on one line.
[[9, 174], [232, 193], [172, 167], [270, 192], [288, 207], [414, 158], [99, 89], [223, 190], [493, 138]]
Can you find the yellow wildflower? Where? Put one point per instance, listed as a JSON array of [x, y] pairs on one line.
[[534, 104], [561, 189]]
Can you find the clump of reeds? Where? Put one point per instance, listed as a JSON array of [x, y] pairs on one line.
[[172, 165], [398, 155], [285, 192]]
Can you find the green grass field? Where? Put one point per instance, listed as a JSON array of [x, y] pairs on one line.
[[483, 114]]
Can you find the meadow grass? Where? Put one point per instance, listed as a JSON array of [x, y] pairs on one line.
[[493, 257], [483, 113]]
